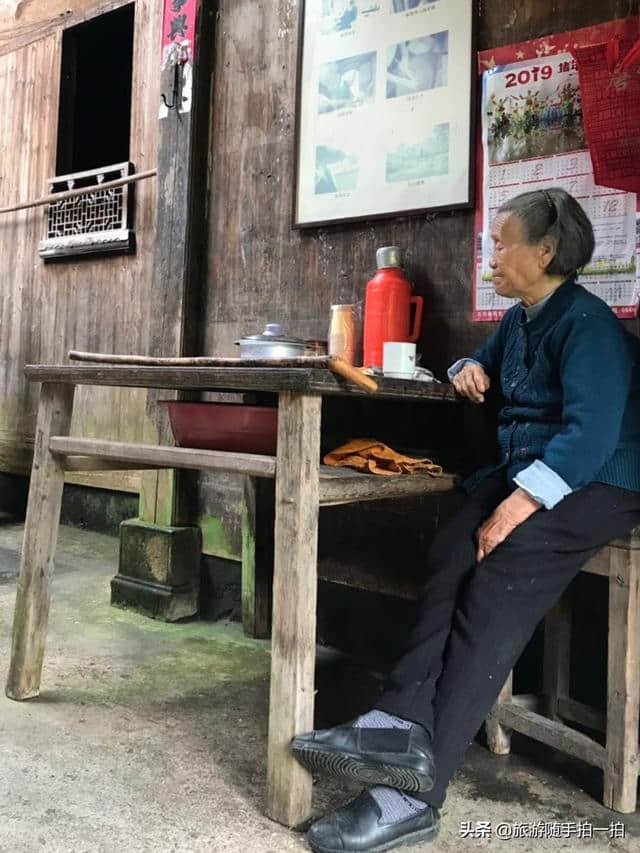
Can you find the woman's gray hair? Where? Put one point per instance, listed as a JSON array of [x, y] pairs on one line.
[[556, 214]]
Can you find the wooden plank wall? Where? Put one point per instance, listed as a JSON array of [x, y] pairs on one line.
[[93, 304], [259, 268], [25, 21]]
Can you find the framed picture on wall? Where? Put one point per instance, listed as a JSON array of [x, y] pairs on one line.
[[384, 109]]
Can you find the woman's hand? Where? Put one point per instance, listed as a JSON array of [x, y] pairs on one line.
[[472, 382], [504, 520]]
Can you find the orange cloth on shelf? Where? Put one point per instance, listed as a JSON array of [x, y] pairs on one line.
[[368, 454]]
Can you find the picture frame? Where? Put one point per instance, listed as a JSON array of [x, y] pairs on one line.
[[384, 109]]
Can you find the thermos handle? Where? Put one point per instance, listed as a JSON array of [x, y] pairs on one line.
[[418, 301]]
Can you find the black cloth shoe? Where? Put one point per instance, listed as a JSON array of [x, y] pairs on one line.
[[399, 758], [357, 828]]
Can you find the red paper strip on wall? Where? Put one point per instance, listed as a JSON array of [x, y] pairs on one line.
[[178, 26], [611, 107]]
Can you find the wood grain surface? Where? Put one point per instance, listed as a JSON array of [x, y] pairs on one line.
[[33, 597], [97, 303], [317, 380], [293, 638]]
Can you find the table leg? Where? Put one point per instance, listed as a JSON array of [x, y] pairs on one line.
[[294, 603], [40, 537], [258, 513]]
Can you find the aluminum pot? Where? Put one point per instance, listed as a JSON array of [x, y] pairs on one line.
[[271, 343]]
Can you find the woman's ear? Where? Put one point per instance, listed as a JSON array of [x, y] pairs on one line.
[[546, 252]]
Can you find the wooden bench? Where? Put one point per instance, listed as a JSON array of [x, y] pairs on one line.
[[541, 718]]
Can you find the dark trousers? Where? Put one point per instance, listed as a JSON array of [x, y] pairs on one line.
[[476, 618]]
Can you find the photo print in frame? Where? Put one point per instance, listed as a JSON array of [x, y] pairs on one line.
[[384, 109]]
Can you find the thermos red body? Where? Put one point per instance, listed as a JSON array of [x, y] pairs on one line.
[[387, 313]]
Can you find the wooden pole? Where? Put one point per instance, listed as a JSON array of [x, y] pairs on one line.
[[31, 614], [200, 360], [623, 682], [55, 197], [295, 583], [175, 303], [334, 363], [179, 260]]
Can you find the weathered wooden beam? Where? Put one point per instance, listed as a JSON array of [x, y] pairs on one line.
[[180, 239], [623, 682], [31, 615], [345, 486], [334, 363], [552, 733], [251, 464], [294, 605], [557, 654], [100, 463], [185, 378], [273, 379], [119, 480]]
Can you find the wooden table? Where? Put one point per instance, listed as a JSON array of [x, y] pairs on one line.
[[302, 485]]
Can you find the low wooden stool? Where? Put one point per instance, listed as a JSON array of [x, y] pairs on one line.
[[540, 717]]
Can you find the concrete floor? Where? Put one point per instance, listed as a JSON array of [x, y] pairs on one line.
[[151, 737]]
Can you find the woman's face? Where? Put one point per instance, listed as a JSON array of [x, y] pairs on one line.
[[518, 268]]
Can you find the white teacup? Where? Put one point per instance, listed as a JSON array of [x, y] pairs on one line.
[[399, 359]]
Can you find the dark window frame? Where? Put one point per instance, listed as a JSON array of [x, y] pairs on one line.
[[94, 139]]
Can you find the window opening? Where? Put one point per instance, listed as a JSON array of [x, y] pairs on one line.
[[93, 140], [95, 92]]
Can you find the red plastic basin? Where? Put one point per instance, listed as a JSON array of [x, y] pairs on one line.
[[224, 426]]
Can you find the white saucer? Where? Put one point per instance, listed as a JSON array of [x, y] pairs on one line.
[[399, 375]]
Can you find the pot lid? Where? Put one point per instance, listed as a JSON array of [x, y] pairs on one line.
[[273, 334]]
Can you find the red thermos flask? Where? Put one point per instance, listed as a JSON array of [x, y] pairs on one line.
[[387, 307]]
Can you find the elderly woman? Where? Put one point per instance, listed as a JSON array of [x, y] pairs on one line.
[[567, 481]]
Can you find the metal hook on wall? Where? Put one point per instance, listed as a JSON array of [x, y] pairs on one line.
[[176, 80]]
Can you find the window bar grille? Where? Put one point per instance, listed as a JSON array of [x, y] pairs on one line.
[[95, 222]]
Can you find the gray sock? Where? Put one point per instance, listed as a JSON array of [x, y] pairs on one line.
[[396, 805], [381, 720]]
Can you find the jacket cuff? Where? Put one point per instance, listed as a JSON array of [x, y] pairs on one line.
[[457, 366], [543, 484]]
